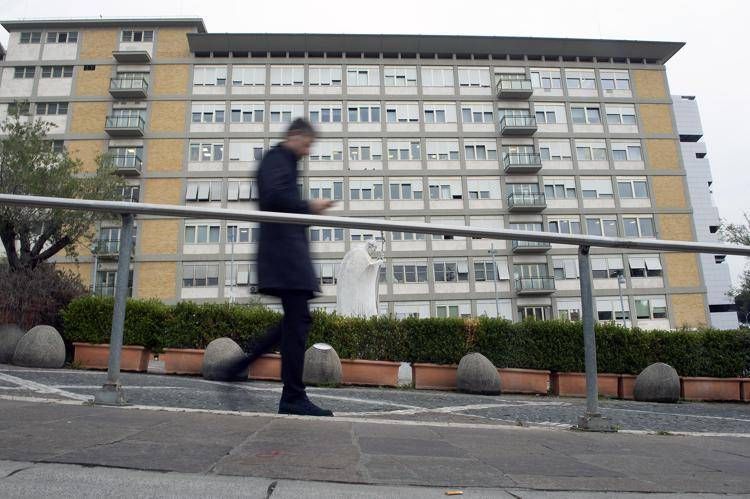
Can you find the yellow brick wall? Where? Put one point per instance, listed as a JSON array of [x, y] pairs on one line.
[[168, 116], [93, 83], [689, 310], [162, 191], [170, 79], [88, 117], [656, 118], [157, 280], [649, 84], [676, 226], [682, 270], [159, 237], [172, 42], [82, 269], [165, 155], [86, 151], [669, 191], [98, 43], [663, 154]]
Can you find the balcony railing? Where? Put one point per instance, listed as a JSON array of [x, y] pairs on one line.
[[526, 201], [107, 290], [125, 126], [534, 285], [107, 247], [514, 87], [127, 165], [518, 125], [529, 246], [132, 56], [522, 162], [128, 87]]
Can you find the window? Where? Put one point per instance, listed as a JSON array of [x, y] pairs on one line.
[[137, 36], [400, 76], [245, 274], [325, 76], [485, 271], [326, 272], [242, 190], [244, 76], [325, 113], [614, 80], [477, 113], [131, 193], [404, 150], [407, 236], [204, 191], [606, 267], [51, 108], [632, 187], [638, 226], [240, 234], [621, 115], [585, 115], [245, 151], [287, 76], [202, 233], [437, 77], [645, 265], [24, 72], [474, 77], [447, 311], [57, 71], [406, 190], [542, 78], [328, 150], [580, 79], [404, 273], [483, 188], [532, 226], [364, 113], [627, 151], [31, 37], [362, 76], [62, 37], [211, 76], [201, 151], [283, 113], [19, 108], [445, 189], [200, 276], [442, 150], [451, 271], [439, 113], [523, 189], [320, 234], [651, 307], [610, 309], [564, 225], [211, 112], [565, 268], [326, 189], [550, 114], [246, 112], [365, 189], [480, 151], [360, 150], [569, 310], [128, 117], [597, 187], [126, 157], [536, 312], [591, 151], [57, 146], [559, 188], [596, 226], [402, 113], [558, 150]]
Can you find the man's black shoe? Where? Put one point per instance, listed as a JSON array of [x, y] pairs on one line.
[[302, 407]]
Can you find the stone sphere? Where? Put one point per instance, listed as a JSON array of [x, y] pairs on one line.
[[10, 335], [220, 360], [322, 365], [659, 382], [42, 346], [476, 374]]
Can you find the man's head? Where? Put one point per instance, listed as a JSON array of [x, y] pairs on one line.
[[299, 137]]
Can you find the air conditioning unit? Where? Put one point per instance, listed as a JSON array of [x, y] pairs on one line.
[[254, 290], [609, 90]]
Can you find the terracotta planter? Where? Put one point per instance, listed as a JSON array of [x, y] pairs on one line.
[[745, 390], [96, 356], [727, 389], [267, 368], [574, 384], [524, 381], [434, 376], [369, 372], [626, 386], [182, 360]]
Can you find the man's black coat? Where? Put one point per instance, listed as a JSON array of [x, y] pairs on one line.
[[283, 250]]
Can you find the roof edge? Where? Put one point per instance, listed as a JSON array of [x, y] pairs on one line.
[[16, 24]]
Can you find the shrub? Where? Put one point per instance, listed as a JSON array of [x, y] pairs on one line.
[[436, 340]]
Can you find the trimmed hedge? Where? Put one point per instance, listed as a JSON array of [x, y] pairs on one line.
[[554, 345]]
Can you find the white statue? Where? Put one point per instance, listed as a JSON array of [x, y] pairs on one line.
[[357, 282]]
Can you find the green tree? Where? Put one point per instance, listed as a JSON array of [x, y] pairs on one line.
[[736, 233], [741, 295], [28, 165]]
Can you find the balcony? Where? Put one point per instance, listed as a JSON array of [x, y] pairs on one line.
[[534, 285], [124, 126], [132, 56], [128, 88], [109, 248], [514, 87], [522, 162], [528, 202], [529, 246], [518, 125], [105, 290], [127, 165]]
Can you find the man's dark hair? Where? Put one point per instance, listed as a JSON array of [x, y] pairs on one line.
[[300, 126]]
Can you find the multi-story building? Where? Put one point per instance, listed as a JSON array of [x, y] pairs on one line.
[[568, 136]]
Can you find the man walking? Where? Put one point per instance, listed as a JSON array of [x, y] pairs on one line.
[[284, 266]]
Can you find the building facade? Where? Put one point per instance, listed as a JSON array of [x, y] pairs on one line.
[[569, 136]]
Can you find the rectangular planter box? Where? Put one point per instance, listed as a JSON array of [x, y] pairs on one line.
[[574, 384], [182, 360], [369, 372], [524, 381], [726, 389], [745, 390], [96, 356], [626, 386], [267, 368], [434, 376]]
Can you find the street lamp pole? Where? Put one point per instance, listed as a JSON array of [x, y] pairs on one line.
[[620, 283], [232, 275], [493, 252]]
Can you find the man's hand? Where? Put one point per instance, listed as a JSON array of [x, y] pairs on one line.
[[317, 206]]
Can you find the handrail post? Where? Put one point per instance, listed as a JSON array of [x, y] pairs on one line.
[[592, 420], [111, 392]]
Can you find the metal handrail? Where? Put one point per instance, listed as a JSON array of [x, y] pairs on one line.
[[513, 84], [522, 159], [128, 83], [125, 122], [544, 283], [526, 199], [518, 121]]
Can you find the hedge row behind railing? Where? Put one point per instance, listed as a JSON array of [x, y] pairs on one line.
[[554, 345]]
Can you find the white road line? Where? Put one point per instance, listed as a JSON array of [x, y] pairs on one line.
[[698, 416], [40, 388], [125, 387]]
